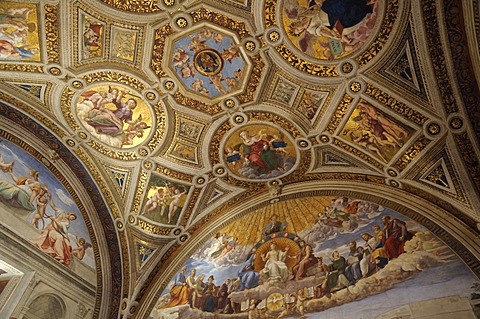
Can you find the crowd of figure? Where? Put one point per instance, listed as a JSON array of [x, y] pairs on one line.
[[202, 295], [362, 261]]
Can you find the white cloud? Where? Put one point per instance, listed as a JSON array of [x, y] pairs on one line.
[[64, 198], [12, 157]]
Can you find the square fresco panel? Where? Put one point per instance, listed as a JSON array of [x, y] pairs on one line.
[[19, 32], [124, 44], [93, 36], [164, 200], [375, 132]]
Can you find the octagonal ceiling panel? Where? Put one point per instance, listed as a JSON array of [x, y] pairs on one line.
[[209, 63]]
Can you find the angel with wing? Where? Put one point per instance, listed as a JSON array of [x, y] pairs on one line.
[[135, 129], [81, 248]]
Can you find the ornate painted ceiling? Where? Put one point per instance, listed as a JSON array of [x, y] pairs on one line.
[[166, 121]]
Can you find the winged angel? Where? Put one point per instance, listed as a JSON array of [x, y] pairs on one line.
[[329, 28]]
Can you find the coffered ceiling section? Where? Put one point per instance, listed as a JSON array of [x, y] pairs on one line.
[[183, 111]]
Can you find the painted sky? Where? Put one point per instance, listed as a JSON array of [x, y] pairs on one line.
[[23, 162]]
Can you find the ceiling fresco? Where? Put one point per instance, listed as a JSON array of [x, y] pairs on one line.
[[330, 29], [247, 140], [114, 115], [209, 63]]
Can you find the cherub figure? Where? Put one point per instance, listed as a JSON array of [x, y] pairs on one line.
[[80, 251], [218, 37], [5, 167], [289, 306], [174, 204], [98, 99], [134, 129], [233, 51], [368, 142], [197, 43], [188, 70], [300, 304], [232, 155], [42, 202], [16, 18], [197, 85], [277, 143], [158, 198], [180, 57], [252, 310], [232, 83], [216, 80]]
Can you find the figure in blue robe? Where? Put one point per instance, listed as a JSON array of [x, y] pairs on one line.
[[248, 276]]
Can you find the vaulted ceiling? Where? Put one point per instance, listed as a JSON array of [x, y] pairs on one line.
[[201, 73]]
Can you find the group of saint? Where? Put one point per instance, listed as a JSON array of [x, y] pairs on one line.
[[205, 296], [361, 262]]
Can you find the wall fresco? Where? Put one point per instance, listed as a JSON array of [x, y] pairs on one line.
[[37, 206], [312, 255]]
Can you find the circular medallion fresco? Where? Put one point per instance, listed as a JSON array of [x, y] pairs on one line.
[[208, 62], [329, 29], [114, 115], [259, 152]]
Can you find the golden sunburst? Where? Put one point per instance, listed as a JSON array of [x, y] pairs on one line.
[[298, 213], [282, 243]]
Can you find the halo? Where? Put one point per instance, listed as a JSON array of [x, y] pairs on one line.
[[281, 243]]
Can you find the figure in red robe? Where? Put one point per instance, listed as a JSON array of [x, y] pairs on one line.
[[395, 235]]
